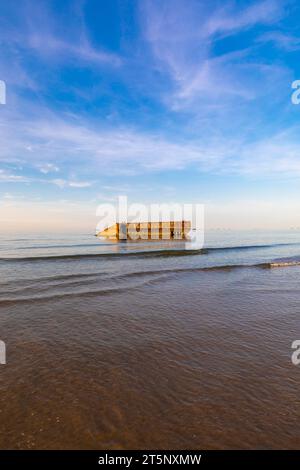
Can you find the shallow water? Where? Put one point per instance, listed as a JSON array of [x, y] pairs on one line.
[[147, 345]]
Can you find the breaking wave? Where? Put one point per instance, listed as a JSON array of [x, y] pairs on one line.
[[161, 253]]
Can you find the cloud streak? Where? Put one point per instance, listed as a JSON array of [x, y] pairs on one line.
[[96, 151], [41, 40], [183, 42]]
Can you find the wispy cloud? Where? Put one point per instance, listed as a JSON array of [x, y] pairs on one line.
[[61, 183], [230, 18], [42, 39], [46, 168], [100, 150], [47, 46], [183, 41], [80, 148], [8, 177], [284, 41]]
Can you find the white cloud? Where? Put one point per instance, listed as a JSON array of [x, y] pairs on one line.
[[70, 145], [8, 177], [182, 40], [49, 46], [8, 196], [61, 183], [47, 168], [226, 20], [35, 34], [96, 152], [282, 40]]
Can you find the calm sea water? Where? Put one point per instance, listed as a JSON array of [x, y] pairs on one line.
[[149, 345]]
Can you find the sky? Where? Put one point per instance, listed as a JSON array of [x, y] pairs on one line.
[[164, 101]]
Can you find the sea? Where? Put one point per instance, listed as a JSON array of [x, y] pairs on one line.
[[150, 345]]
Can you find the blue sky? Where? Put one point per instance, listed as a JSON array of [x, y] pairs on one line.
[[162, 100]]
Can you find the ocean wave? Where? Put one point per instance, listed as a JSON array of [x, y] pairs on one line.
[[136, 254], [51, 246], [250, 247], [171, 252], [143, 277], [81, 294], [284, 264]]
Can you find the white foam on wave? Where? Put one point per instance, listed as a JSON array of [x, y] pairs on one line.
[[284, 264]]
